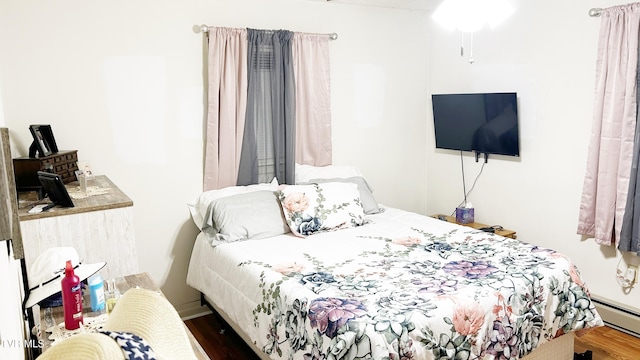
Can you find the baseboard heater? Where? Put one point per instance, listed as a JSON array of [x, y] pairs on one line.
[[618, 316]]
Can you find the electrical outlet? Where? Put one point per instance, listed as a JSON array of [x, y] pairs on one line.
[[627, 277], [631, 274]]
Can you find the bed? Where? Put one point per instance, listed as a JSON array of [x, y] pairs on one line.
[[300, 273]]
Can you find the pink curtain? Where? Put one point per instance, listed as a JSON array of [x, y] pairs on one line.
[[313, 99], [610, 151], [227, 98]]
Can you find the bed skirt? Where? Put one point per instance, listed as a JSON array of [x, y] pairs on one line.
[[559, 349]]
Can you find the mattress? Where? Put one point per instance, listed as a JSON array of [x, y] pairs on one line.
[[403, 286]]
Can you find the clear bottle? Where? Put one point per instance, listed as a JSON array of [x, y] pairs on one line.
[[112, 294], [71, 298]]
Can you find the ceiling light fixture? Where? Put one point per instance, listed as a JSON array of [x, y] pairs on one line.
[[469, 16]]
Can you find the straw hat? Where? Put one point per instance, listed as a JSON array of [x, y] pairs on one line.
[[145, 313], [47, 271]]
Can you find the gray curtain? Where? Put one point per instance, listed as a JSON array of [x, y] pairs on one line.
[[630, 232], [269, 132]]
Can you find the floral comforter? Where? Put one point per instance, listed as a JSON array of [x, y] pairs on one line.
[[403, 286]]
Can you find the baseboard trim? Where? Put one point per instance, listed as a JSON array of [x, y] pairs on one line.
[[618, 316], [192, 310]]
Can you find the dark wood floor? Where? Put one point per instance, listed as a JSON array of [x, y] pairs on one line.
[[206, 329], [605, 343]]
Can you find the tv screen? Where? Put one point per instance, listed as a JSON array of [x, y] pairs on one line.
[[484, 122]]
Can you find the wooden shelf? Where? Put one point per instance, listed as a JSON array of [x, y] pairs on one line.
[[113, 199], [476, 225]]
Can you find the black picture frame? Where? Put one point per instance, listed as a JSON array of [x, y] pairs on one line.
[[44, 143], [54, 187]]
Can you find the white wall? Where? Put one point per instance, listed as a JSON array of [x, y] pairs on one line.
[[2, 121], [121, 82], [11, 324], [546, 52]]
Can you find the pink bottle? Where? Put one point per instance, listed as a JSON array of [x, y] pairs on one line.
[[71, 298]]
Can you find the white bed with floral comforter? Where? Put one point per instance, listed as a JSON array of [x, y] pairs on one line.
[[394, 285]]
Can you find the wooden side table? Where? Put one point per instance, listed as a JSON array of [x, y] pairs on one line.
[[52, 316], [476, 225]]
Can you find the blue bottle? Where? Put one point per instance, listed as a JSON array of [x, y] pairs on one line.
[[96, 292]]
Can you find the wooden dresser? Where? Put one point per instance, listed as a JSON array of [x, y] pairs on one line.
[[100, 228]]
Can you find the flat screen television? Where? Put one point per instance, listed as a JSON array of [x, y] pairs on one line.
[[485, 123], [54, 187]]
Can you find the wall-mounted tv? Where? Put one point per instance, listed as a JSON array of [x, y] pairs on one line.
[[485, 123]]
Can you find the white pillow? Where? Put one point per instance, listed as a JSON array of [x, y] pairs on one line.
[[304, 173], [309, 209], [198, 207], [369, 203]]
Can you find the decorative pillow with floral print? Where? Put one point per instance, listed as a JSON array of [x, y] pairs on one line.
[[313, 208]]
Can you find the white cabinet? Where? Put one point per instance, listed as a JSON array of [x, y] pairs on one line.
[[12, 326], [100, 228]]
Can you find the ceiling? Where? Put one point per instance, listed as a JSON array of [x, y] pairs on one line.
[[423, 5]]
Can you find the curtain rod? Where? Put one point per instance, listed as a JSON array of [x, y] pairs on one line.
[[595, 12], [205, 28]]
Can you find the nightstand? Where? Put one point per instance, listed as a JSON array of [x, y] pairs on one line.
[[476, 225]]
